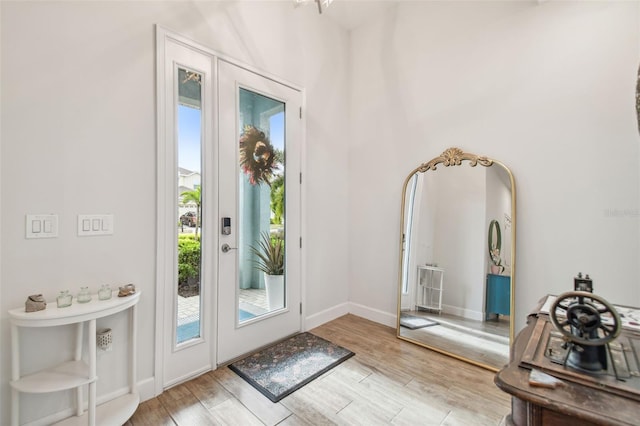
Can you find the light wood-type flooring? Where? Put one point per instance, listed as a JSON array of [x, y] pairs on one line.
[[388, 381], [484, 341]]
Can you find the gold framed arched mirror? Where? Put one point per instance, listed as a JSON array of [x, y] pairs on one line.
[[456, 286]]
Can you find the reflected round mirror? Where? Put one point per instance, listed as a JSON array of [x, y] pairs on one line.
[[457, 258]]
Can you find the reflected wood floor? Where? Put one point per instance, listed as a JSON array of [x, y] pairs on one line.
[[485, 341], [388, 381]]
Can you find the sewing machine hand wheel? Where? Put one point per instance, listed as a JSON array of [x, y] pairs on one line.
[[583, 323]]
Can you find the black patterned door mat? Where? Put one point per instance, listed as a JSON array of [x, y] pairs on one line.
[[285, 367], [413, 322]]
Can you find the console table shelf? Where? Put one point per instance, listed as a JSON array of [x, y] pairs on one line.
[[114, 412], [74, 374], [68, 375]]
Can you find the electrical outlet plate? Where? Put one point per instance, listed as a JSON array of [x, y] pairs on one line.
[[95, 224], [41, 226]]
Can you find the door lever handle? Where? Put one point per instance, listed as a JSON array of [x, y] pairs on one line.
[[227, 248]]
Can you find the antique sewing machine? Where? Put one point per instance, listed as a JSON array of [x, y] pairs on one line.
[[578, 358]]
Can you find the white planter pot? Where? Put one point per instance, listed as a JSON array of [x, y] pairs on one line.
[[275, 291]]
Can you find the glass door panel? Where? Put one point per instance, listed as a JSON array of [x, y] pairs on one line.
[[261, 205], [260, 126], [189, 118]]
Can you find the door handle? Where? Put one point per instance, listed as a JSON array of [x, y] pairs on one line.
[[227, 248]]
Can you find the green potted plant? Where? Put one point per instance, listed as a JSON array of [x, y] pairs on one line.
[[270, 260]]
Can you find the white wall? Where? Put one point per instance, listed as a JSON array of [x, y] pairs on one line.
[[547, 88], [460, 205], [78, 136]]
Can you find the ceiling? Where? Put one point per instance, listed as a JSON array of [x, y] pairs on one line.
[[349, 14]]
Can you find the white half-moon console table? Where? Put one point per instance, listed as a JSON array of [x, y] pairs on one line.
[[74, 374]]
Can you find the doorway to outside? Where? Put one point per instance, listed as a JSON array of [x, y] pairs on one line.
[[259, 279], [254, 298], [229, 191]]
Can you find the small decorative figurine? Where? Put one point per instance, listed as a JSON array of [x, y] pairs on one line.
[[64, 299], [35, 303], [105, 292], [127, 290], [83, 295]]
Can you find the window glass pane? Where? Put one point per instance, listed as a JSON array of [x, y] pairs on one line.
[[189, 115], [261, 205], [408, 232]]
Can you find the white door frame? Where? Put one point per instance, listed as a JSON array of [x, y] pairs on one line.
[[165, 249]]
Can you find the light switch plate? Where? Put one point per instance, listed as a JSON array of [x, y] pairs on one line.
[[41, 226], [95, 224]]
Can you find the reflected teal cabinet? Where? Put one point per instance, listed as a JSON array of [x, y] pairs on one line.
[[498, 295]]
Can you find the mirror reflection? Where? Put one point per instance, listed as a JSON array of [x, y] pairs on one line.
[[457, 259]]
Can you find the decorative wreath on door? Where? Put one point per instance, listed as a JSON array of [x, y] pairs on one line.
[[257, 156]]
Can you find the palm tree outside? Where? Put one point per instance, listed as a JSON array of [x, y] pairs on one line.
[[194, 196]]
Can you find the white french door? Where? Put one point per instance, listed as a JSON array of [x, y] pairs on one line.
[[260, 135], [229, 167]]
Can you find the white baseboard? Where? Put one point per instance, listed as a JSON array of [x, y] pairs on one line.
[[461, 312], [375, 315], [52, 418], [325, 316], [146, 389]]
